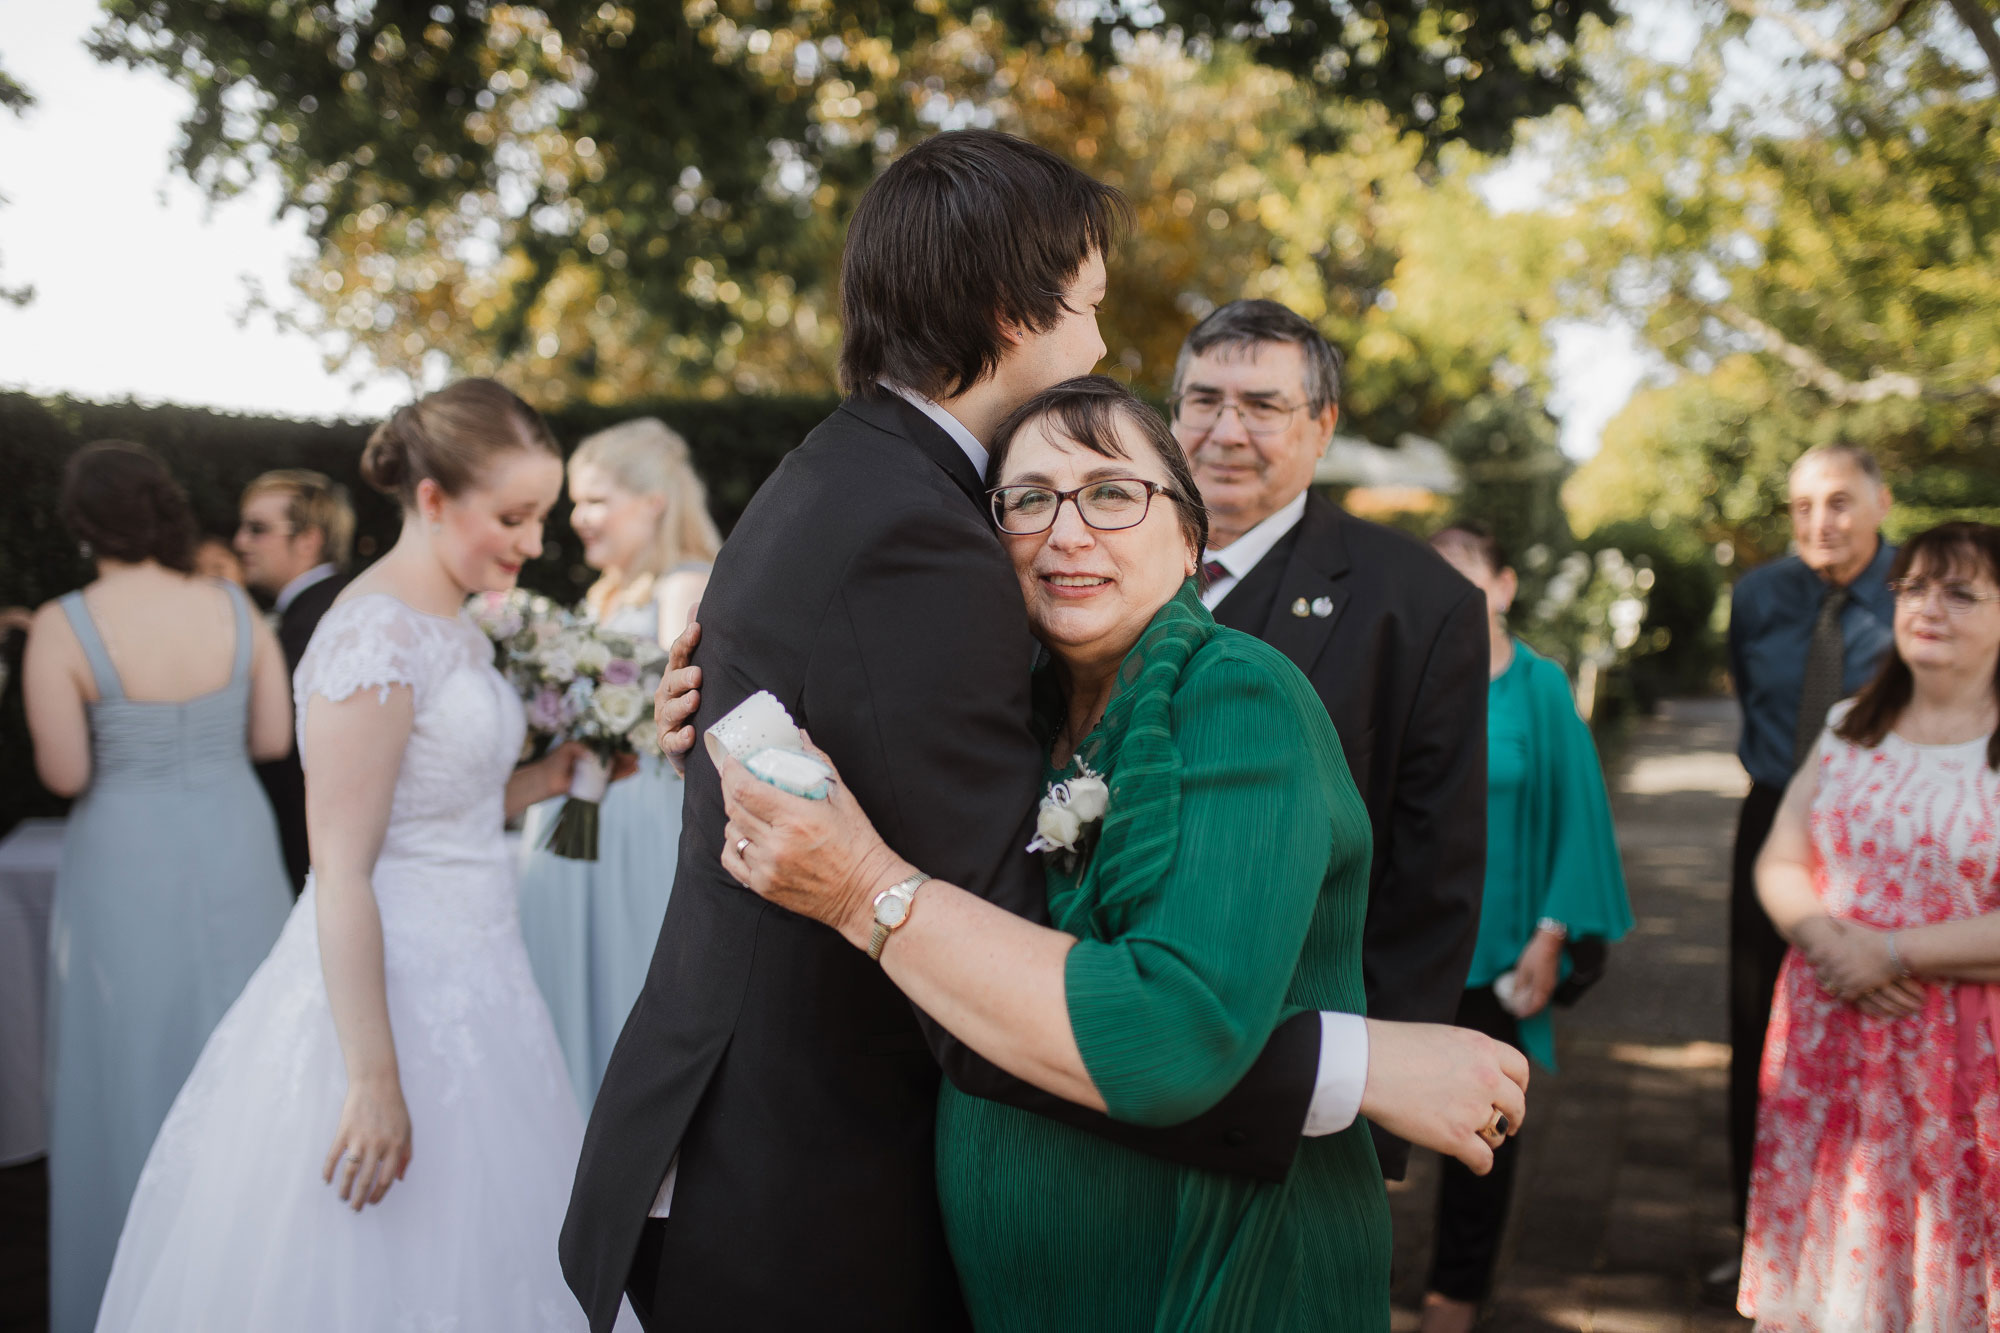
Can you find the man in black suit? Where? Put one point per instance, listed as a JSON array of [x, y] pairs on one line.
[[1394, 640], [294, 534], [759, 1155]]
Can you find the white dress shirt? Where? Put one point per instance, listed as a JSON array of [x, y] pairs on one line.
[[1241, 556], [948, 423], [290, 592]]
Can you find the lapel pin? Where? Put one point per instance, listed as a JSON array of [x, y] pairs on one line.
[[1300, 609], [1322, 607]]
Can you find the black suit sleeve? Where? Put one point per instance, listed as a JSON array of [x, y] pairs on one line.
[[941, 755], [1423, 918]]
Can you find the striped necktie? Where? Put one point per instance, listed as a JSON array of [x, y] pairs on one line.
[[1825, 668], [1213, 573]]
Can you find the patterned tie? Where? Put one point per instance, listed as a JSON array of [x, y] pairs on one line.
[[1824, 670], [1213, 573]]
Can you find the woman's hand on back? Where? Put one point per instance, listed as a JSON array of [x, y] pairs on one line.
[[1440, 1086], [821, 859]]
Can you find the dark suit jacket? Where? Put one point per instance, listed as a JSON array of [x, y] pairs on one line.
[[284, 781], [1401, 665], [864, 587]]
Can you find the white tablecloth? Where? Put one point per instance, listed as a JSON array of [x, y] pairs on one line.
[[28, 860]]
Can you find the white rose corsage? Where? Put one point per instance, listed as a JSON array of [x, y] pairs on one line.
[[1069, 817]]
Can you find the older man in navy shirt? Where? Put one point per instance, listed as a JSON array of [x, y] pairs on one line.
[[1804, 632]]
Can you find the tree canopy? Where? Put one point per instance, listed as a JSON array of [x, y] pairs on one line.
[[1821, 265], [612, 199]]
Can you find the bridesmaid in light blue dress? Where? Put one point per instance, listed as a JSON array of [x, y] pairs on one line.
[[149, 692], [642, 515]]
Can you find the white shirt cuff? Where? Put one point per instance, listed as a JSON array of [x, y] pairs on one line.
[[1343, 1074]]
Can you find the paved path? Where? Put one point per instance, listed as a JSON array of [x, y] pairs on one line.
[[1622, 1198]]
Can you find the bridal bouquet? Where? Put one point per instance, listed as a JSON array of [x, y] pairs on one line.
[[578, 682]]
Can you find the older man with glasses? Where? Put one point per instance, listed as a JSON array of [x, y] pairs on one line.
[[294, 533], [1392, 638]]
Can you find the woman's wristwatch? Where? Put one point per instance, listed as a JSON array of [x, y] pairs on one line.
[[892, 909]]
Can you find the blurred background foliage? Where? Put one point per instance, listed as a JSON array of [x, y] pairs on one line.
[[1792, 204], [1818, 263]]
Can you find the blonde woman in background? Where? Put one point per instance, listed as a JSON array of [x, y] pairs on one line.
[[642, 515]]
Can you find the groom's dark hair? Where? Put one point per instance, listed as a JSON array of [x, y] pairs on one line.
[[967, 231]]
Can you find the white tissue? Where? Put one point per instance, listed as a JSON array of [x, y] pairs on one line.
[[758, 723]]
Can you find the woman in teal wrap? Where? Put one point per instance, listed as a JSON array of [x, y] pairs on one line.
[[1207, 864], [1552, 875]]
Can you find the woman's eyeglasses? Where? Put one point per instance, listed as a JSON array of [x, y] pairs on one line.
[[1111, 505], [1957, 595]]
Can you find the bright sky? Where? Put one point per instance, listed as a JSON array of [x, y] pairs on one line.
[[142, 285]]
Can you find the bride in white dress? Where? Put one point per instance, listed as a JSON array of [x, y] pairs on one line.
[[380, 1134]]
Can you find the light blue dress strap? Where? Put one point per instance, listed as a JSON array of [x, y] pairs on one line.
[[240, 671], [108, 685]]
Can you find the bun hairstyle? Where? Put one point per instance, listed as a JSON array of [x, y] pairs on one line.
[[450, 437], [648, 457], [120, 499]]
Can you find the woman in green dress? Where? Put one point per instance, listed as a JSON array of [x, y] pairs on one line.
[[1207, 863], [1552, 875]]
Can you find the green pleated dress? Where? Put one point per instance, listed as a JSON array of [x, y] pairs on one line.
[[1226, 892]]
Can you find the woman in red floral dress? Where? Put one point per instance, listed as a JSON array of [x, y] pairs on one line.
[[1875, 1198]]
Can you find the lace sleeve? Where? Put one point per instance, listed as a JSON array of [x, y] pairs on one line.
[[372, 642]]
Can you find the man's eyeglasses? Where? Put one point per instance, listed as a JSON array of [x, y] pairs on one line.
[[1260, 416], [1957, 595], [1111, 505], [257, 527]]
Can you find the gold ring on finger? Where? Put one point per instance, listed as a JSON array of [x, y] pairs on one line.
[[1496, 1129]]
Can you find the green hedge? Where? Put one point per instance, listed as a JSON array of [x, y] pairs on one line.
[[735, 443]]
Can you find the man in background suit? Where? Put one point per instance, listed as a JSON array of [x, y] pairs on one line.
[[294, 536], [1392, 638]]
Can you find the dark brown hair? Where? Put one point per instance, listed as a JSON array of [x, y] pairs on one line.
[[1962, 549], [969, 230], [1470, 532], [449, 437], [1087, 409], [121, 500]]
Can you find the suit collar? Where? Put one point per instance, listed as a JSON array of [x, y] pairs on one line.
[[889, 412], [291, 591]]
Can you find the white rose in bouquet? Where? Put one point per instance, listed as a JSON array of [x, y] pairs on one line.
[[592, 656], [619, 707], [559, 664], [644, 738]]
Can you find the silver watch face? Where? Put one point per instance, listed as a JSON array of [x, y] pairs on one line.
[[891, 911]]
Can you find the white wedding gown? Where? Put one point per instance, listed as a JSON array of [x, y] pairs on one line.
[[231, 1227]]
